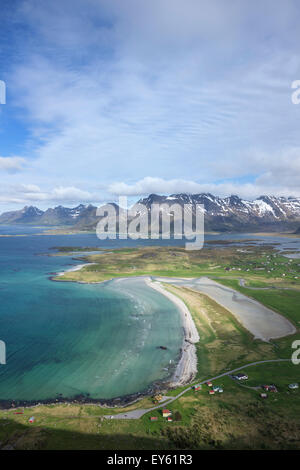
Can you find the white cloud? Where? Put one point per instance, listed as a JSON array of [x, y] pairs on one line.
[[251, 190], [32, 194], [153, 185], [70, 194], [11, 164], [197, 95], [28, 188]]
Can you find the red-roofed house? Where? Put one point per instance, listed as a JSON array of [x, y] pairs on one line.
[[197, 387]]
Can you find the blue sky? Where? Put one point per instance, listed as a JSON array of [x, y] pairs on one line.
[[132, 97]]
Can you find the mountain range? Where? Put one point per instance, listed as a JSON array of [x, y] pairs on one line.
[[266, 213]]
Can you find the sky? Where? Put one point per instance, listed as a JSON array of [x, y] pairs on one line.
[[129, 97]]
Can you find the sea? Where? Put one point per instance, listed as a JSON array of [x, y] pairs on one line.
[[84, 342]]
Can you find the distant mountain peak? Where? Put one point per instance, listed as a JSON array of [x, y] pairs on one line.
[[235, 214], [269, 213]]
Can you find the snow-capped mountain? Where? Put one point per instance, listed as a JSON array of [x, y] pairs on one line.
[[27, 215], [63, 215], [32, 215], [234, 213], [221, 214]]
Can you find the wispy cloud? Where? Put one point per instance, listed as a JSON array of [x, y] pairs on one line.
[[250, 190], [195, 95], [11, 164], [32, 194]]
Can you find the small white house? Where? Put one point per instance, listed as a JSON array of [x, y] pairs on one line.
[[293, 386]]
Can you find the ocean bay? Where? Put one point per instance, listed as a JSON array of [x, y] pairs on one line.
[[66, 340]]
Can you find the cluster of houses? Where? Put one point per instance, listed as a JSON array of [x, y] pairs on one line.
[[265, 266], [218, 389], [214, 388], [165, 414], [268, 388], [272, 388]]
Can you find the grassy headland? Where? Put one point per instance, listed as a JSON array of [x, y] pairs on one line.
[[262, 265]]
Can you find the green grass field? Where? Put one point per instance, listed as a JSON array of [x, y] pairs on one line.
[[259, 266], [237, 419]]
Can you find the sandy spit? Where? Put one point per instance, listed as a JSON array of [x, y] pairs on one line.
[[187, 367], [261, 321], [75, 268]]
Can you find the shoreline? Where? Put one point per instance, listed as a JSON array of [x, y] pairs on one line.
[[186, 368], [109, 403], [74, 268], [236, 295], [184, 373], [277, 234], [257, 318]]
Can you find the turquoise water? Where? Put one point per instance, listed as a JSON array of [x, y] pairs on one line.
[[68, 339]]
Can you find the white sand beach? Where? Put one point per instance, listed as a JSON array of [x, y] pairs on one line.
[[187, 367], [75, 268], [261, 321]]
